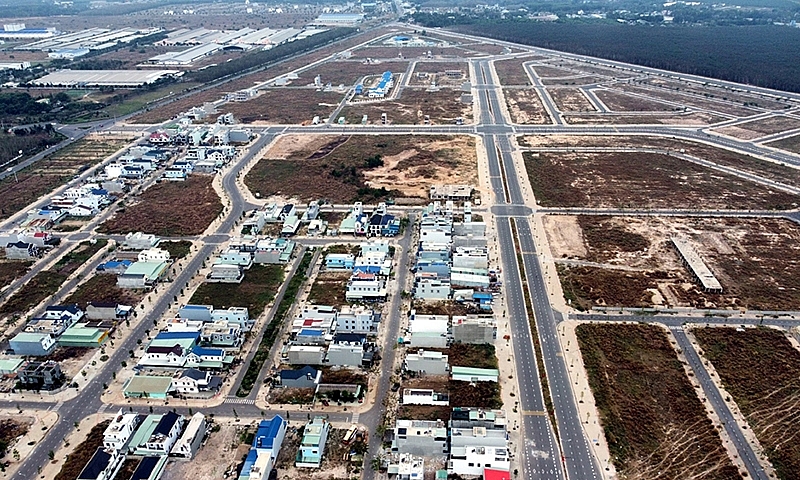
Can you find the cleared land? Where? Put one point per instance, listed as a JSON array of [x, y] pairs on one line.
[[177, 249], [571, 100], [103, 288], [257, 289], [329, 288], [546, 71], [791, 144], [655, 425], [643, 180], [511, 72], [705, 103], [443, 107], [10, 429], [170, 209], [80, 456], [629, 261], [621, 102], [338, 168], [760, 369], [221, 451], [348, 72], [389, 52], [436, 72], [51, 172], [270, 107], [760, 128], [770, 170], [691, 118], [10, 270], [525, 106], [576, 80]]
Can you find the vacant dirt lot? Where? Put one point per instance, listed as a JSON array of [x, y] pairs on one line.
[[629, 103], [642, 180], [616, 261], [511, 72], [760, 128], [719, 92], [338, 168], [10, 270], [576, 80], [720, 106], [791, 144], [692, 118], [329, 288], [221, 453], [545, 71], [381, 51], [270, 107], [443, 107], [348, 72], [654, 423], [52, 172], [436, 72], [770, 170], [170, 209], [525, 106], [257, 289], [80, 456], [760, 368], [103, 288], [570, 100]]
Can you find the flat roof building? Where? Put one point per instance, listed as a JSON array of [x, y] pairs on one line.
[[100, 78], [697, 266]]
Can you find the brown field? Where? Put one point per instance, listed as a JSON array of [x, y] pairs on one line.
[[629, 261], [585, 68], [170, 209], [570, 100], [348, 72], [103, 288], [478, 394], [621, 102], [10, 429], [760, 128], [270, 106], [510, 72], [545, 71], [791, 144], [52, 172], [759, 368], [720, 106], [654, 423], [329, 288], [10, 270], [80, 456], [436, 73], [221, 452], [770, 170], [335, 168], [443, 107], [642, 180], [718, 92], [525, 106], [576, 80], [693, 118]]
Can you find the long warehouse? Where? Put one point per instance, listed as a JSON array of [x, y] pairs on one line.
[[100, 78]]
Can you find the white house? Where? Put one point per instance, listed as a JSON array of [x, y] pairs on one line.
[[153, 255], [165, 434], [189, 442], [416, 396], [365, 287], [427, 362], [356, 319], [120, 430], [432, 289]]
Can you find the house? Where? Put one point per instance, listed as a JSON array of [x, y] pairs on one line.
[[356, 319], [150, 468], [143, 274], [384, 225], [192, 381], [140, 241], [432, 289], [147, 386], [347, 349], [103, 465], [365, 287], [311, 336], [451, 192], [22, 251], [429, 331], [169, 349], [407, 467], [475, 330], [273, 250], [340, 261], [9, 366], [263, 453], [207, 313], [203, 357], [311, 212], [165, 434], [305, 355], [82, 335], [235, 257], [420, 437], [120, 430], [55, 320], [116, 267], [373, 262], [475, 258], [221, 334], [32, 344], [472, 375], [306, 377], [225, 273], [153, 255], [290, 226], [159, 138], [416, 396], [478, 441], [312, 446], [107, 311], [40, 376], [427, 362], [191, 438]]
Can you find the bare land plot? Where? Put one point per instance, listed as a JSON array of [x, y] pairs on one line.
[[220, 453], [585, 68], [654, 423], [721, 106], [257, 289], [791, 144], [436, 72], [511, 72], [692, 118], [546, 72], [336, 462], [103, 288], [642, 180], [571, 100], [10, 429], [270, 107], [525, 106], [760, 368], [10, 270], [716, 91], [388, 52], [348, 72], [337, 168], [629, 261], [170, 209], [52, 171], [443, 107], [329, 288], [762, 168], [80, 456], [760, 128], [488, 48], [576, 80], [621, 102]]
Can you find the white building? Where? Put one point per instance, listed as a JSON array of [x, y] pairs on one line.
[[356, 319], [153, 255], [365, 287], [117, 435], [427, 362], [432, 289], [189, 442]]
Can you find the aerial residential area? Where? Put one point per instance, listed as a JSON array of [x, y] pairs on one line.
[[331, 241]]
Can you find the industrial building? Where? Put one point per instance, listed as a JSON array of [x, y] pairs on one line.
[[697, 266], [90, 39], [101, 78], [339, 19], [17, 31]]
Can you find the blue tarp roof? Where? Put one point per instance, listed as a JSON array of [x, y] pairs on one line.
[[174, 335]]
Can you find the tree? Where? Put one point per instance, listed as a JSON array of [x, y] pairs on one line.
[[51, 455]]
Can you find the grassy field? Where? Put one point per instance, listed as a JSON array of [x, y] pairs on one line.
[[329, 288], [654, 423], [270, 106], [642, 180], [258, 288], [103, 288], [170, 209], [760, 369], [51, 172], [177, 249], [443, 107]]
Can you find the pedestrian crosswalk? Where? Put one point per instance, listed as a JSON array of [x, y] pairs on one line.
[[356, 417], [239, 401], [55, 407]]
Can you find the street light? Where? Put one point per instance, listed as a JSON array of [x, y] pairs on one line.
[[11, 169]]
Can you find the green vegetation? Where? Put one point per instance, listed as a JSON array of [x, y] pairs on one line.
[[177, 249], [83, 453], [31, 141], [73, 260], [256, 290], [274, 327], [103, 288]]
